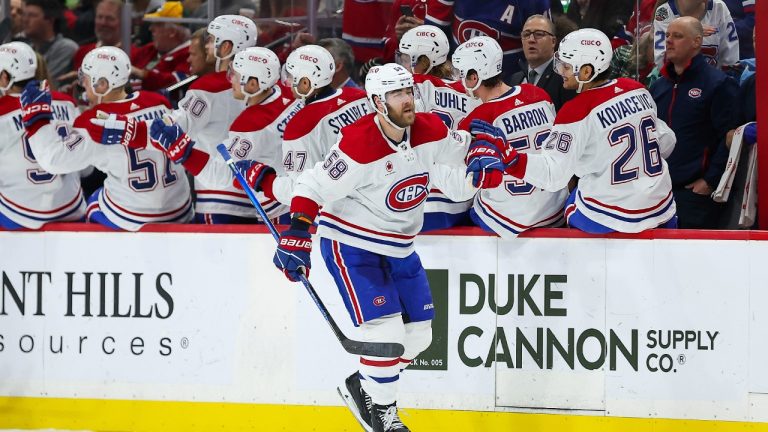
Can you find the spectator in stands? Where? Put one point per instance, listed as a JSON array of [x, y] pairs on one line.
[[199, 62], [563, 26], [502, 20], [608, 16], [636, 60], [720, 44], [85, 22], [743, 14], [344, 59], [697, 102], [42, 19], [107, 30], [164, 61], [17, 15], [539, 42], [364, 26]]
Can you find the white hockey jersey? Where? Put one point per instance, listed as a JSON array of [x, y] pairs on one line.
[[525, 114], [313, 130], [449, 100], [142, 185], [720, 48], [372, 197], [205, 114], [30, 196], [609, 137], [256, 134]]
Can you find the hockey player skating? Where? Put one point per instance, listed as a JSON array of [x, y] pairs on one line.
[[141, 186], [372, 186], [522, 115], [608, 136], [29, 196], [423, 50]]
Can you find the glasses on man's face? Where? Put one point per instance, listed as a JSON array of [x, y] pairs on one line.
[[537, 34]]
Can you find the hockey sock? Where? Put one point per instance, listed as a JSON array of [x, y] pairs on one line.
[[380, 376]]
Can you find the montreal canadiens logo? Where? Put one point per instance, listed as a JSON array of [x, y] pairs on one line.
[[470, 28], [379, 301], [408, 193], [694, 92]]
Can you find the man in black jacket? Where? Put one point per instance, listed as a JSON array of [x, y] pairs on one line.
[[698, 102], [539, 42]]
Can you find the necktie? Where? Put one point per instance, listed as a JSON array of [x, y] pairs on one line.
[[532, 76]]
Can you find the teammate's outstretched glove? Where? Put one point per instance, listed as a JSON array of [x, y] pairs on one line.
[[171, 140], [484, 131], [254, 173], [111, 129], [750, 133], [292, 255], [485, 164], [36, 103]]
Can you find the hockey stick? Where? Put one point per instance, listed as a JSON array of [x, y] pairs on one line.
[[373, 349], [181, 83]]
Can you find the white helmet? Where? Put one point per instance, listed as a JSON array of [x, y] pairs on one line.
[[19, 61], [259, 63], [481, 54], [424, 40], [312, 62], [383, 79], [109, 63], [239, 30], [584, 47]]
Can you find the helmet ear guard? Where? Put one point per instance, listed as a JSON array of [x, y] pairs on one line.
[[480, 54], [424, 40], [584, 47], [240, 31], [381, 80], [259, 63], [106, 63], [312, 62], [19, 61]]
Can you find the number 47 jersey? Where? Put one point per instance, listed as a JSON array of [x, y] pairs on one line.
[[610, 138]]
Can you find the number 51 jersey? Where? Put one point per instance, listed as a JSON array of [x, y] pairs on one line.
[[142, 185]]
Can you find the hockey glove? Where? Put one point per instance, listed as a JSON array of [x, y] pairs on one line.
[[36, 103], [254, 173], [750, 133], [111, 129], [292, 255], [171, 140], [485, 165]]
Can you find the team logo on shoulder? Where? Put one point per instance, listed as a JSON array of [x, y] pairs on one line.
[[408, 193], [379, 301], [694, 92], [662, 14]]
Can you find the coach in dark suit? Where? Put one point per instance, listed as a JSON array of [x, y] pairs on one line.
[[539, 40]]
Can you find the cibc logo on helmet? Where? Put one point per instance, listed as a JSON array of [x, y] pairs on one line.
[[8, 50], [308, 58], [589, 42], [426, 33], [240, 23], [106, 57], [257, 59]]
